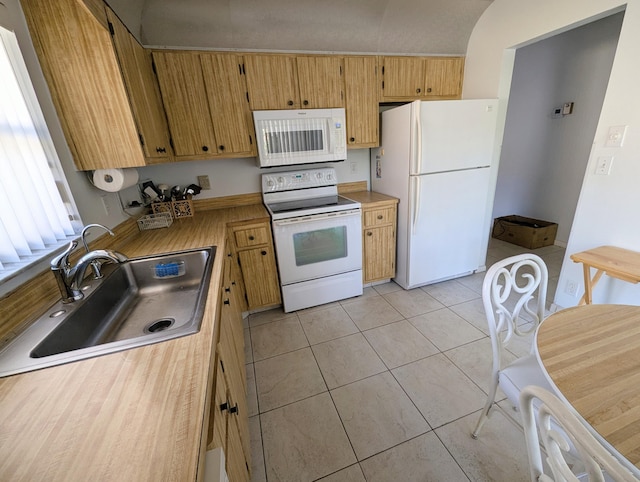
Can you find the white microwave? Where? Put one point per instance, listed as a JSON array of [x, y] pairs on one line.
[[290, 137]]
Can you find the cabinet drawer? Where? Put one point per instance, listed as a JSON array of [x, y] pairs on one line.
[[254, 236], [377, 217]]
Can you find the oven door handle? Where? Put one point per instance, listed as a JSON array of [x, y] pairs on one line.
[[317, 217]]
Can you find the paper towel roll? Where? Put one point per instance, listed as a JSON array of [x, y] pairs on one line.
[[113, 180]]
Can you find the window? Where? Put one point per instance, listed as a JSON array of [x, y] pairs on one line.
[[36, 207]]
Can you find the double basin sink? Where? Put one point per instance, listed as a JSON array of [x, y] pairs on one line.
[[138, 302]]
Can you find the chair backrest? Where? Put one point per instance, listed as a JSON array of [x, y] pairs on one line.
[[514, 294], [555, 426]]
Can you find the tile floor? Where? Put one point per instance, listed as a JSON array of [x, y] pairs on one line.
[[382, 387]]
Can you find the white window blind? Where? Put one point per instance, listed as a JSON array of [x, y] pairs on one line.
[[34, 219]]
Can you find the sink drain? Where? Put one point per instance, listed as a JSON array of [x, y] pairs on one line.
[[159, 325]]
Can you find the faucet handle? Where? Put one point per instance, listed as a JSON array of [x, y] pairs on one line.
[[62, 260]]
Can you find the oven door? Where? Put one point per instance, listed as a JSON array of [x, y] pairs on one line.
[[320, 245]]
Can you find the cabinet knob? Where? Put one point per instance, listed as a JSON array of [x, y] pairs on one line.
[[221, 148], [418, 90], [352, 139], [205, 148], [380, 216], [226, 290], [369, 233], [251, 238], [263, 253], [305, 102], [226, 302], [290, 102], [428, 89], [224, 406], [161, 149], [233, 409]]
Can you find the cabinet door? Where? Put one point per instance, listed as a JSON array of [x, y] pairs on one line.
[[320, 82], [228, 103], [144, 93], [443, 76], [260, 276], [78, 61], [272, 82], [361, 96], [185, 101], [402, 77], [379, 253]]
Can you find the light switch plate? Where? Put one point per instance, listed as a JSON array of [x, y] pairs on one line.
[[615, 136]]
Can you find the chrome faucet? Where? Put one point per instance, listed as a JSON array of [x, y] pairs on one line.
[[95, 265], [69, 279]]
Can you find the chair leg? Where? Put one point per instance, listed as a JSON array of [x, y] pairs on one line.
[[487, 408]]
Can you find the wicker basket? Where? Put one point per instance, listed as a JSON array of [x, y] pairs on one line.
[[182, 208], [155, 221]]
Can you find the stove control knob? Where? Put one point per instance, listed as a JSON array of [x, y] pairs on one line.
[[280, 180], [270, 183], [329, 177]]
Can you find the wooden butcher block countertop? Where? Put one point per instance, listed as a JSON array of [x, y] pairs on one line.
[[135, 415]]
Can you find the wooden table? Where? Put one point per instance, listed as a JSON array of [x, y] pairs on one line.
[[591, 355], [615, 262]]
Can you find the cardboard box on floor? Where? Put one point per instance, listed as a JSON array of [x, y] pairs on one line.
[[526, 232]]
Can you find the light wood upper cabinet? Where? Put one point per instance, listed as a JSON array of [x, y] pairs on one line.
[[185, 101], [361, 95], [424, 78], [80, 65], [320, 81], [205, 100], [288, 82], [272, 82], [142, 86], [227, 94]]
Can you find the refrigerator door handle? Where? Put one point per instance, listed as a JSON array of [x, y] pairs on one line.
[[415, 180], [416, 139]]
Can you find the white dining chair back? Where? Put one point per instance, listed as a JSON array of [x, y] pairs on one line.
[[554, 426], [514, 298]]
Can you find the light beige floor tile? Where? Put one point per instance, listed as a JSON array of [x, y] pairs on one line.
[[346, 360], [257, 319], [350, 474], [377, 414], [412, 302], [440, 390], [327, 324], [257, 456], [371, 312], [277, 337], [476, 360], [473, 312], [474, 281], [420, 459], [450, 292], [287, 378], [445, 329], [499, 453], [399, 343], [385, 288], [319, 307], [252, 394], [368, 291], [305, 441]]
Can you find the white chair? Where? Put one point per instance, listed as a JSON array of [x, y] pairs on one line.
[[552, 425], [514, 296]]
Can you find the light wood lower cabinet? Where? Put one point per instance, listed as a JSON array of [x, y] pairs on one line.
[[379, 222], [256, 256]]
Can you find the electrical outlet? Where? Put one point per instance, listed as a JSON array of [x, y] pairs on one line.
[[571, 287], [203, 182], [354, 167], [603, 165]]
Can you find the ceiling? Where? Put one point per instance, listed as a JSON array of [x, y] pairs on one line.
[[356, 26]]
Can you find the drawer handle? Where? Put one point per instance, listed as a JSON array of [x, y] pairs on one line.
[[251, 238], [263, 253], [369, 233], [380, 216], [224, 406]]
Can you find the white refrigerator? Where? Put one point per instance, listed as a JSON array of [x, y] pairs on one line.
[[436, 158]]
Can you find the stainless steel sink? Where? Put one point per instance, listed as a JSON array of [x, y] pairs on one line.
[[138, 302]]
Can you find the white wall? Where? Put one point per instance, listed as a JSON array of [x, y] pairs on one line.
[[544, 158], [606, 210]]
